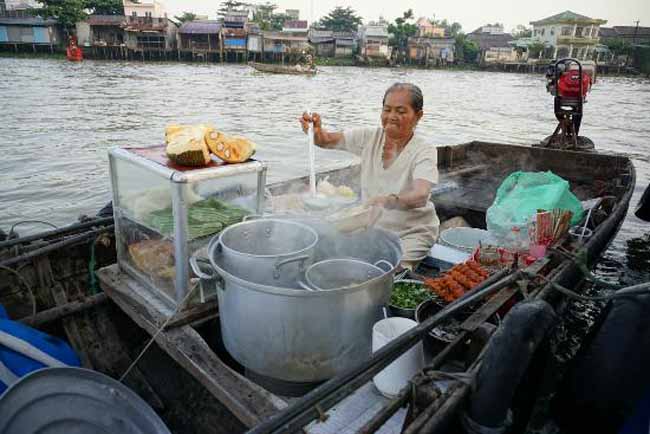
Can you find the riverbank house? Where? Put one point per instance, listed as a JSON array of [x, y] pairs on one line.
[[322, 42], [234, 35], [430, 46], [103, 36], [569, 34], [21, 31], [495, 45], [373, 40], [148, 31], [199, 40]]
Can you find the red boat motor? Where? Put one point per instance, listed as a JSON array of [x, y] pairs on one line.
[[569, 82]]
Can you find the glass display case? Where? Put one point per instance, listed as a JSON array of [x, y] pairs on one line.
[[164, 212]]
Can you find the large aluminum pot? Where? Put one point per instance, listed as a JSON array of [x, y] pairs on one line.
[[304, 336], [269, 251]]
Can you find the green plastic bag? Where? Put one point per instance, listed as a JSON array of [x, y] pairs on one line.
[[521, 194]]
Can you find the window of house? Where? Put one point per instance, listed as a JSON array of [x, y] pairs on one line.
[[134, 14], [580, 32], [566, 31], [543, 30], [147, 14], [594, 32], [552, 32]]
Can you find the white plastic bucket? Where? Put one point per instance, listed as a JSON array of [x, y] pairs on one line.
[[396, 375]]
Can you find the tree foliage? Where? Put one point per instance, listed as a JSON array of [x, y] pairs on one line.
[[105, 7], [451, 29], [522, 31], [341, 20], [467, 50], [402, 30], [264, 14], [185, 17], [619, 46], [232, 5], [69, 12], [536, 49]]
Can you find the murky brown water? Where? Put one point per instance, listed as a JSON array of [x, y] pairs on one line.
[[58, 119]]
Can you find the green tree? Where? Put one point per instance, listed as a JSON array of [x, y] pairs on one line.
[[466, 49], [264, 14], [67, 12], [185, 17], [536, 49], [105, 7], [619, 47], [341, 20], [522, 31], [232, 5], [402, 30], [451, 29]]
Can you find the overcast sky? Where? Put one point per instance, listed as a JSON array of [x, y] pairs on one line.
[[470, 13]]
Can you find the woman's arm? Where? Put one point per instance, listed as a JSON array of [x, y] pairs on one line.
[[416, 196], [322, 138]]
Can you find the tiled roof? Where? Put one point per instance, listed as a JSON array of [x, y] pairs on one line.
[[567, 17], [488, 40]]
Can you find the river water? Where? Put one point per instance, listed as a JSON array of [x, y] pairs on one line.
[[58, 119]]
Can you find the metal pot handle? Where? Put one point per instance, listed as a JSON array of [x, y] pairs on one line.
[[303, 285], [198, 271], [384, 262], [276, 268]]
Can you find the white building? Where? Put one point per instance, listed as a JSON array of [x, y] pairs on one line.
[[570, 34], [21, 4], [374, 40], [149, 9]]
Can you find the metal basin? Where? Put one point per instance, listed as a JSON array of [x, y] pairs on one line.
[[304, 336]]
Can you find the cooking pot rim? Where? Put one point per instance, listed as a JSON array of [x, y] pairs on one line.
[[275, 255]]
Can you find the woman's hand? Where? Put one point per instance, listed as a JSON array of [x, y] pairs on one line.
[[306, 119], [390, 202], [322, 138]]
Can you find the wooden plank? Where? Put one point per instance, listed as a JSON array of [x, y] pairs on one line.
[[200, 312], [250, 403], [63, 311]]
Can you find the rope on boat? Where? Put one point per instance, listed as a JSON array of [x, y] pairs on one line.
[[629, 291], [23, 281], [42, 222], [162, 327]]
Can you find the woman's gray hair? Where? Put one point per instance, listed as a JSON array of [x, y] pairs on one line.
[[417, 100]]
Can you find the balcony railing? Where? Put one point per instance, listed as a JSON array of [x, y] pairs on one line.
[[146, 23]]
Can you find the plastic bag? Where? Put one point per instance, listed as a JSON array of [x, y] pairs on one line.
[[521, 194]]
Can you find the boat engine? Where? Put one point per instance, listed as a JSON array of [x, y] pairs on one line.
[[569, 81]]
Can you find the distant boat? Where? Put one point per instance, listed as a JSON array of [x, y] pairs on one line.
[[282, 69], [73, 53]]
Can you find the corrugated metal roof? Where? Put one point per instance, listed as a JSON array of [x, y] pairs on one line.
[[321, 39], [35, 21], [282, 36], [106, 20], [208, 27], [486, 41]]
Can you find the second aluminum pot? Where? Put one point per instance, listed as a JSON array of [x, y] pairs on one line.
[[268, 251]]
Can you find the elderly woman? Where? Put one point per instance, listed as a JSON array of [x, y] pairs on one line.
[[398, 168]]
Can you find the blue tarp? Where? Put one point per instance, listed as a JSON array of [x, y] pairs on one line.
[[19, 364], [239, 43], [3, 34]]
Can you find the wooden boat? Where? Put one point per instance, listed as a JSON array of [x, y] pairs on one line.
[[192, 382], [282, 69]]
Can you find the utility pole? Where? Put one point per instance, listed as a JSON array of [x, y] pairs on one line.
[[636, 30]]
